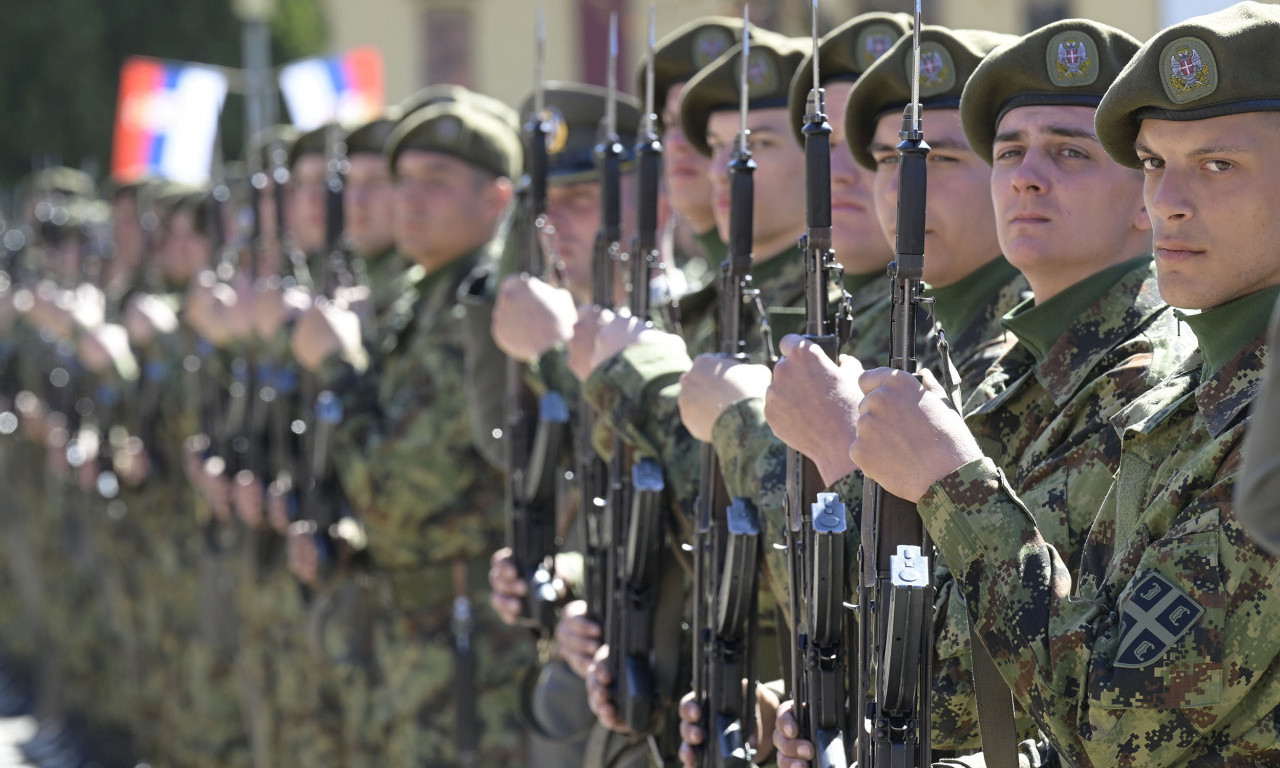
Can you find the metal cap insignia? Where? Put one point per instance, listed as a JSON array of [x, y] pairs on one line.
[[762, 74], [709, 43], [937, 70], [1188, 70], [557, 129], [874, 42], [1072, 58]]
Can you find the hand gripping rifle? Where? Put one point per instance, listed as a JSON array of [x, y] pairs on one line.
[[727, 538], [536, 435], [638, 535], [593, 476], [895, 605], [815, 534]]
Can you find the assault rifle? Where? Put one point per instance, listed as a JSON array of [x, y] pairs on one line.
[[895, 603], [637, 526], [535, 434], [727, 539], [815, 534]]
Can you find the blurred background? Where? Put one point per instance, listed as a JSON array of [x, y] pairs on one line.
[[61, 59]]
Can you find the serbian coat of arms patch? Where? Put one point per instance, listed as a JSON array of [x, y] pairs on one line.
[[1156, 615]]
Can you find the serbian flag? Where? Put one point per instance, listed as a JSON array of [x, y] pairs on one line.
[[347, 88], [166, 120]]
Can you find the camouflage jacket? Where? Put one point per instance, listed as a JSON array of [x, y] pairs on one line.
[[405, 454], [1164, 651], [1043, 416]]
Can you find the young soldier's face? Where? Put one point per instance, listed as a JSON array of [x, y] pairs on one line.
[[779, 177], [368, 204], [444, 207], [1211, 188], [855, 231], [306, 202], [1064, 208], [685, 170], [573, 211], [960, 227]]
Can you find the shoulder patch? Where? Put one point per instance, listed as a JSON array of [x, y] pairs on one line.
[[937, 70], [874, 42], [1156, 615], [1072, 58], [709, 43], [1188, 70]]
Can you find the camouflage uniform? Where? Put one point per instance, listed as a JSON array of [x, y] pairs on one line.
[[432, 508], [1130, 670], [1256, 494]]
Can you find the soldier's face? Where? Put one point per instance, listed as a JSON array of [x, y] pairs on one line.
[[573, 211], [960, 227], [127, 231], [368, 204], [1064, 208], [685, 169], [444, 207], [1210, 187], [779, 181], [306, 193], [186, 251], [855, 230]]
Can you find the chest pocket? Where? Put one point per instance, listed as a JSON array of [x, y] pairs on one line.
[[1165, 648]]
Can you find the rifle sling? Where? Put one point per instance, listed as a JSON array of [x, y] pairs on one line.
[[995, 707]]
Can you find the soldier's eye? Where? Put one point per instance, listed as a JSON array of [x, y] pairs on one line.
[[1151, 163]]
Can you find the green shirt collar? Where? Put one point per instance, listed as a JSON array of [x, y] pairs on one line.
[[713, 248], [957, 304], [1223, 331], [1039, 326]]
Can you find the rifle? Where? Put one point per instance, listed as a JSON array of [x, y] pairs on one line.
[[895, 605], [638, 535], [598, 490], [815, 534], [532, 452], [728, 530]]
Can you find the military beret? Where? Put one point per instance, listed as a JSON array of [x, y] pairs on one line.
[[573, 115], [1180, 74], [447, 93], [679, 55], [64, 182], [844, 53], [270, 144], [1067, 63], [312, 142], [947, 58], [772, 63], [472, 135], [371, 137]]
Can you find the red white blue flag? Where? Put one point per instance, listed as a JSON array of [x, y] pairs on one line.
[[166, 120], [347, 88]]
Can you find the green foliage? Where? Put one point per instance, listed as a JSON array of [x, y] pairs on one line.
[[60, 65]]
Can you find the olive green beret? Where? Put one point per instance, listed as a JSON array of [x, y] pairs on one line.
[[1067, 63], [371, 137], [947, 59], [64, 182], [312, 142], [772, 64], [844, 53], [573, 115], [445, 93], [1221, 64], [472, 135], [270, 144], [679, 55]]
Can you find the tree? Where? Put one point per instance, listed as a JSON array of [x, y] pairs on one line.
[[60, 66]]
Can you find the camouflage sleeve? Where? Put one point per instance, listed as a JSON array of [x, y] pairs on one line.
[[635, 394], [752, 459], [551, 373], [1135, 675]]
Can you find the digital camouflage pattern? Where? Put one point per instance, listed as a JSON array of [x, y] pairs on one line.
[[428, 500], [1163, 651]]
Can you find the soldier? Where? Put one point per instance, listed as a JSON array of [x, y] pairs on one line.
[[429, 502], [1161, 649], [1096, 334]]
